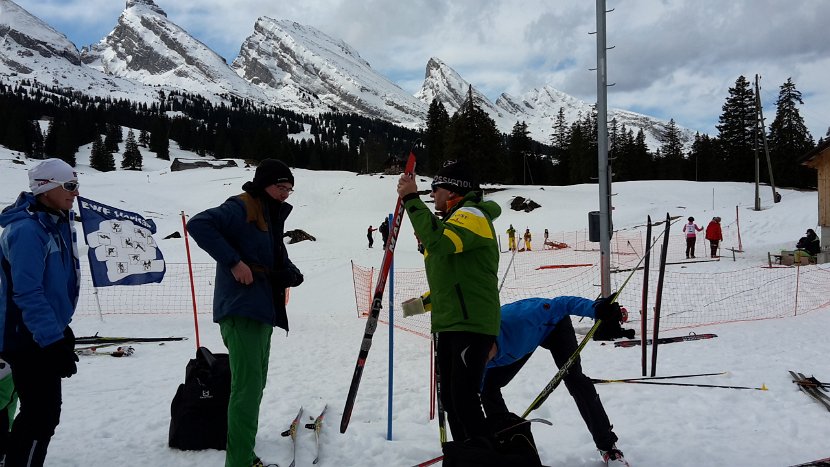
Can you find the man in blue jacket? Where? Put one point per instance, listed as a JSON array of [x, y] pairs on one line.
[[39, 284], [244, 235], [546, 322]]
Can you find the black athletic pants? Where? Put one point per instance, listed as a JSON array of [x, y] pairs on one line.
[[461, 359], [690, 247], [39, 392], [562, 343]]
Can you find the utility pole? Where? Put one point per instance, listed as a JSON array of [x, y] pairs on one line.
[[604, 172], [776, 197]]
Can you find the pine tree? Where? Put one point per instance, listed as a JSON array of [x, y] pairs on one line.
[[100, 159], [518, 153], [474, 138], [159, 140], [437, 122], [705, 158], [559, 142], [789, 139], [112, 138], [50, 141], [737, 133], [144, 138], [671, 151], [36, 139], [132, 156]]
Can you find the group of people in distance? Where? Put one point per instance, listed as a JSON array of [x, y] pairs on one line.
[[384, 233], [714, 234], [527, 237]]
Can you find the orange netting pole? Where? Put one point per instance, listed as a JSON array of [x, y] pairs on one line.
[[192, 285]]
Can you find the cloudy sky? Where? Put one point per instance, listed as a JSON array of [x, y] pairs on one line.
[[671, 58]]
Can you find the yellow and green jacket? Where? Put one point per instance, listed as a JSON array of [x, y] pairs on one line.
[[462, 259]]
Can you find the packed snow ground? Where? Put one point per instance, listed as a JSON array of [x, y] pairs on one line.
[[117, 411]]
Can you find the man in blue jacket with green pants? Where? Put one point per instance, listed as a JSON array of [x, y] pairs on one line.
[[244, 235], [546, 322]]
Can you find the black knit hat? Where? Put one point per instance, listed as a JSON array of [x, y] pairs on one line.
[[455, 176], [270, 172]]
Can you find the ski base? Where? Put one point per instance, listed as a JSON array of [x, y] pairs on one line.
[[665, 340]]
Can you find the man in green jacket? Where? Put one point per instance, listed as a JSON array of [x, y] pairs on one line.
[[461, 258]]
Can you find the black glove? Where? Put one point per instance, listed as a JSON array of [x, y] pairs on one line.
[[289, 276], [605, 310], [61, 355], [610, 330], [298, 277]]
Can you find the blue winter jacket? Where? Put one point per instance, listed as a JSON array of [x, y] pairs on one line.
[[39, 275], [242, 229], [527, 323]]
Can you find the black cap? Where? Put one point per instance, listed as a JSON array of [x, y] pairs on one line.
[[272, 171], [455, 176]]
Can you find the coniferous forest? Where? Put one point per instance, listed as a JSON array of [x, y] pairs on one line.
[[334, 141]]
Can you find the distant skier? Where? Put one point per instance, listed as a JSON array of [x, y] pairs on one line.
[[511, 238], [714, 234], [527, 240], [690, 230], [384, 231], [370, 237]]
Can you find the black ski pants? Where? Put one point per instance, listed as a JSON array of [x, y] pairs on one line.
[[39, 392], [562, 343], [461, 359], [690, 247]]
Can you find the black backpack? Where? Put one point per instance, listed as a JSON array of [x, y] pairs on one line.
[[199, 411]]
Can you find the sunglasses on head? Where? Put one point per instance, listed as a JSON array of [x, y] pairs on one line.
[[71, 185]]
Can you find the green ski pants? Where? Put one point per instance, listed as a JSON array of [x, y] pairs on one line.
[[249, 346]]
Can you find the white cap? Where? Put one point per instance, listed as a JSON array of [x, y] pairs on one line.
[[50, 173]]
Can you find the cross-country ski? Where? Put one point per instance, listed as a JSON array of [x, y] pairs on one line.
[[666, 340], [317, 426], [291, 432]]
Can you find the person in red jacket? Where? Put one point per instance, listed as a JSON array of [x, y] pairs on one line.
[[714, 235]]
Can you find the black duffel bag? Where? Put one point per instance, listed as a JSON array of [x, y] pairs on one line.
[[199, 412]]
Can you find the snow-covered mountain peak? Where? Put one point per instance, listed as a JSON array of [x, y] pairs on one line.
[[445, 84], [150, 4], [147, 47], [291, 62], [27, 43]]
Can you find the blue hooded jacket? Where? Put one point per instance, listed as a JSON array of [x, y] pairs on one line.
[[39, 275], [527, 323]]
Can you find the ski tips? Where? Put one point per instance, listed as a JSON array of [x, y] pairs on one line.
[[764, 387]]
